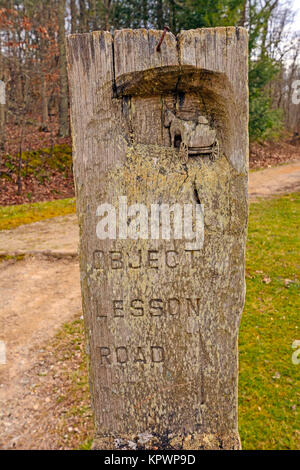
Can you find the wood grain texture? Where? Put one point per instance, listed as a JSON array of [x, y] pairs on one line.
[[162, 320]]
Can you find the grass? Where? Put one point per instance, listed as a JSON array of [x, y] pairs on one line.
[[70, 351], [64, 380], [11, 257], [269, 395], [36, 162], [13, 216]]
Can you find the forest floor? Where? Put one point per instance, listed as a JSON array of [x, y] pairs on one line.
[[46, 164], [44, 400]]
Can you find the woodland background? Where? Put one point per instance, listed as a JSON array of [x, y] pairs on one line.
[[35, 145]]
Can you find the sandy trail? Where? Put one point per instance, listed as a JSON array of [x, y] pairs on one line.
[[37, 296], [274, 181]]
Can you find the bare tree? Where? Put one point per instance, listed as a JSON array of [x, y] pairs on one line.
[[63, 95], [2, 107]]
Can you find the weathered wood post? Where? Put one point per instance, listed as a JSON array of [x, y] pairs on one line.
[[160, 161]]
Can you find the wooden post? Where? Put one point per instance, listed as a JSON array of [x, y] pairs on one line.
[[158, 136]]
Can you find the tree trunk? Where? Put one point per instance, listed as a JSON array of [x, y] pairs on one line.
[[160, 14], [145, 13], [242, 21], [82, 17], [45, 114], [92, 15], [63, 95], [2, 115], [2, 104], [172, 15], [73, 17], [107, 5]]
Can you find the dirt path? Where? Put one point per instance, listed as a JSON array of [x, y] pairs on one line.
[[274, 181], [37, 296], [57, 236], [40, 293]]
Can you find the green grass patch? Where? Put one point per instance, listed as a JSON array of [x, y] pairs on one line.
[[269, 395], [13, 216], [65, 360], [11, 257], [38, 162], [57, 158]]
